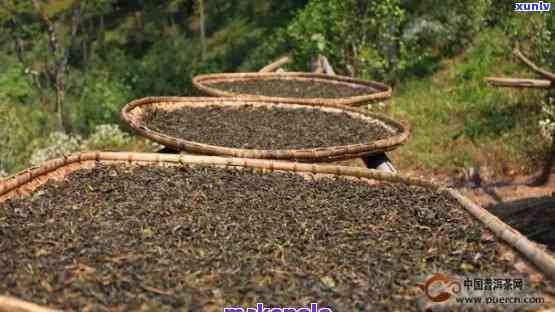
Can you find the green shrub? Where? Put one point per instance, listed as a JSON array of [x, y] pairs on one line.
[[547, 123], [16, 81], [104, 138], [377, 39], [439, 28], [536, 37], [101, 100], [166, 69], [20, 128], [56, 145], [360, 39], [107, 137]]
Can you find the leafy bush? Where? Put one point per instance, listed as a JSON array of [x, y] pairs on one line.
[[104, 138], [57, 145], [107, 137], [19, 128], [360, 38], [535, 33], [276, 45], [536, 36], [547, 124], [378, 39], [439, 28], [15, 81], [166, 69], [101, 100]]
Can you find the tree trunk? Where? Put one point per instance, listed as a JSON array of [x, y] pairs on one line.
[[85, 55], [101, 34], [316, 65], [60, 98], [328, 69], [140, 26], [545, 173], [202, 28], [550, 160], [60, 57]]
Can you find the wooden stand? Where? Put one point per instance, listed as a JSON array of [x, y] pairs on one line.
[[547, 83], [379, 162], [320, 64]]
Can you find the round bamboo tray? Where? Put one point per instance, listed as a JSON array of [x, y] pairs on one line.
[[133, 113], [376, 91], [26, 182]]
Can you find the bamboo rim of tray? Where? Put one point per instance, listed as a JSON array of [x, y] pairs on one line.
[[24, 183], [132, 114], [377, 90]]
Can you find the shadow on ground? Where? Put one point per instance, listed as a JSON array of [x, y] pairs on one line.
[[533, 217]]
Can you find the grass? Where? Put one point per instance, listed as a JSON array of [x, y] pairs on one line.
[[456, 119], [459, 121]]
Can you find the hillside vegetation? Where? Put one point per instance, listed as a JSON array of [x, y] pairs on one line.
[[58, 98], [458, 121]]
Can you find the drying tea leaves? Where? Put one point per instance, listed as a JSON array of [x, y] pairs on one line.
[[290, 88], [125, 237], [252, 127]]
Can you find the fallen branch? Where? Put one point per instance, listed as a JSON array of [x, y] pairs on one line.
[[545, 73], [531, 83], [519, 82], [274, 66]]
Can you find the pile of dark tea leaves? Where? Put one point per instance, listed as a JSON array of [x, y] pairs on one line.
[[252, 127], [287, 88], [197, 238]]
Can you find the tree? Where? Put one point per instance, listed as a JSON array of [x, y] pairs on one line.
[[56, 66], [26, 23], [202, 28], [536, 34], [361, 38], [548, 83]]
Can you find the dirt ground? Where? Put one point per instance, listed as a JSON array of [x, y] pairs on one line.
[[530, 210]]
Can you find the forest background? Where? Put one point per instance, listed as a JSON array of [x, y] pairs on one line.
[[68, 66]]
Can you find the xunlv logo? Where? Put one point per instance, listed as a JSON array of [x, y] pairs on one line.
[[532, 6]]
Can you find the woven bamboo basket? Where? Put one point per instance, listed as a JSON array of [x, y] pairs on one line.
[[26, 182], [376, 91], [132, 114]]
